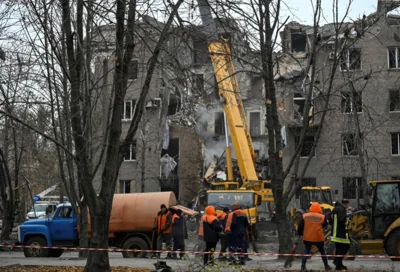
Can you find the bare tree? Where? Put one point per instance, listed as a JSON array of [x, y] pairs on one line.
[[76, 18]]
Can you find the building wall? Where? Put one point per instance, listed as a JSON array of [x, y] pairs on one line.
[[330, 165], [190, 161], [196, 143]]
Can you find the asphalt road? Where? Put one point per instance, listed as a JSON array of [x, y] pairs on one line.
[[268, 263]]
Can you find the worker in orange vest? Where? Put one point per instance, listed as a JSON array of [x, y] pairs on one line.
[[236, 226], [223, 217], [311, 227], [212, 229], [164, 230]]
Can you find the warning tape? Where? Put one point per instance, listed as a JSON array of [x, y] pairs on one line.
[[268, 254]]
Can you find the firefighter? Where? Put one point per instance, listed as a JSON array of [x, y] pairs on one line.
[[164, 230], [222, 217], [340, 235], [236, 226], [212, 228], [311, 227], [178, 233]]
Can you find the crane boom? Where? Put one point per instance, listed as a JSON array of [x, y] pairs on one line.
[[228, 89], [239, 103], [233, 107]]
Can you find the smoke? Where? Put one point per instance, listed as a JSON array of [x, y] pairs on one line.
[[213, 148], [204, 117], [205, 129]]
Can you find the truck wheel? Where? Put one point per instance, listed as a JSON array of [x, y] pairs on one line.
[[393, 245], [36, 252], [135, 243], [55, 253]]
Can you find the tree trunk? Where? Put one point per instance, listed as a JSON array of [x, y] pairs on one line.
[[98, 261], [83, 226], [274, 130], [6, 198], [7, 220], [143, 163]]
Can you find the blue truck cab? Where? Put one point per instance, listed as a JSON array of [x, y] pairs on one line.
[[57, 230]]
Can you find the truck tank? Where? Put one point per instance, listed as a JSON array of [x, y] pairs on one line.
[[136, 212]]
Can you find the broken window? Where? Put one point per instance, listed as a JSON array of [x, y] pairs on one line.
[[299, 102], [352, 188], [299, 42], [351, 102], [256, 85], [200, 51], [219, 124], [312, 182], [129, 109], [133, 70], [124, 186], [308, 143], [351, 60], [349, 144], [394, 97], [394, 58], [395, 139], [174, 103], [198, 83], [254, 122], [130, 152]]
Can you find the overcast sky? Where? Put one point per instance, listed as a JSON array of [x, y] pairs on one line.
[[302, 11]]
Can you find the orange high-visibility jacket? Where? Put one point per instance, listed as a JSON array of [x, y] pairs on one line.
[[162, 221], [238, 213], [313, 221]]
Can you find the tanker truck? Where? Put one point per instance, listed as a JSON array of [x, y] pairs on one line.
[[131, 225]]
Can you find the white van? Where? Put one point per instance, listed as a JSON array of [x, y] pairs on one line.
[[39, 209]]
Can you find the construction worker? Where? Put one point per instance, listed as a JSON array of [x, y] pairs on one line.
[[212, 228], [178, 233], [311, 227], [340, 234], [222, 217], [164, 230], [236, 226]]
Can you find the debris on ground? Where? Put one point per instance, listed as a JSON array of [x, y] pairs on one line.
[[65, 268]]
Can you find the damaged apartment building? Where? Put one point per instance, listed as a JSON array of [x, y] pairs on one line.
[[182, 128], [361, 127]]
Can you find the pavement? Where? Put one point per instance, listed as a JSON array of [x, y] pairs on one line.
[[13, 258]]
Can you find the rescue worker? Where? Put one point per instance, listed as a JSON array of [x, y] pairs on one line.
[[236, 226], [311, 227], [178, 234], [222, 217], [164, 230], [340, 235], [212, 228]]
